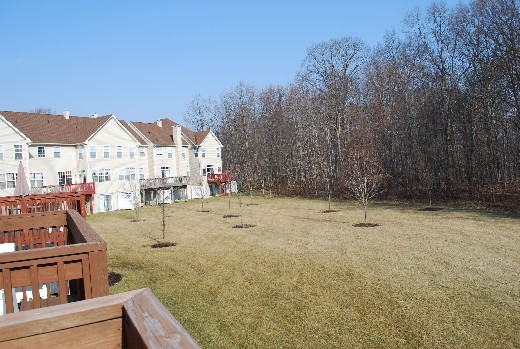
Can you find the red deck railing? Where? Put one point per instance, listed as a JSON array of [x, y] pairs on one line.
[[10, 205], [220, 177]]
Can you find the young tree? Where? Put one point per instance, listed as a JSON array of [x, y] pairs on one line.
[[365, 178]]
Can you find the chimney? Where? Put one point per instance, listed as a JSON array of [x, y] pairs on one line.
[[95, 115], [66, 114], [159, 123], [177, 138]]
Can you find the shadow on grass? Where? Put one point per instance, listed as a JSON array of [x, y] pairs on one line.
[[231, 216], [244, 226], [430, 209], [365, 225], [114, 278], [163, 244]]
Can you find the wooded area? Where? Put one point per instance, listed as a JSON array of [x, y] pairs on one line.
[[430, 114]]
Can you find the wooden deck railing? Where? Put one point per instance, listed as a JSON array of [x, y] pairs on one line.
[[163, 183], [134, 319], [10, 205], [83, 188], [220, 177], [57, 254]]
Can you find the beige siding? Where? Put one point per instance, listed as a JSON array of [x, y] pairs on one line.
[[211, 144], [8, 138], [50, 165], [112, 134]]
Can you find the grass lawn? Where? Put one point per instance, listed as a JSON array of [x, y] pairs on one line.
[[301, 278]]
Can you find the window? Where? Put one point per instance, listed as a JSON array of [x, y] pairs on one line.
[[126, 174], [197, 152], [80, 153], [101, 175], [170, 153], [131, 152], [141, 152], [36, 179], [141, 173], [93, 154], [7, 180], [219, 169], [208, 169], [57, 152], [165, 171], [64, 177], [10, 179], [218, 152], [1, 151], [119, 151], [203, 152], [106, 152], [159, 151], [18, 152], [183, 153], [41, 152]]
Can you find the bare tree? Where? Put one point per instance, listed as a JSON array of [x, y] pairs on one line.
[[43, 110]]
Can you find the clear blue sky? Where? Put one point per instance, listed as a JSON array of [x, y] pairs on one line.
[[143, 60]]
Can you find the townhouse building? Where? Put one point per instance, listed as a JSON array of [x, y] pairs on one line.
[[181, 157], [60, 150], [122, 163]]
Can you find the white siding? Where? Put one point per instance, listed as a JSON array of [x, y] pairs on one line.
[[112, 134], [8, 138]]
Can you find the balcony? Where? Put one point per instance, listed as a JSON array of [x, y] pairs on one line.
[[82, 188], [164, 183], [11, 205], [55, 253], [221, 178]]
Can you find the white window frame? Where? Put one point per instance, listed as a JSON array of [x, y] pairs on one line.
[[131, 152], [1, 151], [165, 171], [183, 153], [40, 154], [56, 150], [18, 151], [218, 152], [159, 151], [141, 172], [64, 177], [101, 175], [80, 153], [142, 153], [92, 151], [10, 180], [119, 151], [203, 152], [106, 152], [36, 179], [3, 182], [126, 174], [170, 153]]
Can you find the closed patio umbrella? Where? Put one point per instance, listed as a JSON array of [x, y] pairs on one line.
[[21, 187]]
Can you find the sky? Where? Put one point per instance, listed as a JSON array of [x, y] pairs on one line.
[[145, 60]]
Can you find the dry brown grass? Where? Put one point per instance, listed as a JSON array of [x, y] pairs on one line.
[[305, 279]]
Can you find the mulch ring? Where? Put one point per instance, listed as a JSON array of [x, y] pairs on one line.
[[366, 225], [164, 244], [244, 226], [329, 211], [204, 211], [114, 278], [430, 209], [231, 216]]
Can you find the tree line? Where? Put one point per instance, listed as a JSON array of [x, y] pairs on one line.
[[433, 113]]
